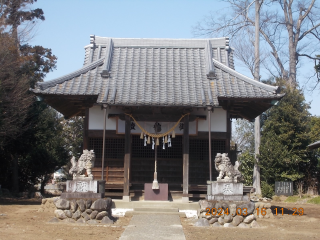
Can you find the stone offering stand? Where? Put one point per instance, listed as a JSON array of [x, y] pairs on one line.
[[236, 216], [79, 211]]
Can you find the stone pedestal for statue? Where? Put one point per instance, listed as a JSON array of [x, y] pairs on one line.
[[84, 189], [229, 191]]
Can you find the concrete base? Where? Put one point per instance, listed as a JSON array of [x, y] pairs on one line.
[[117, 203], [185, 199], [126, 198], [228, 197], [85, 195]]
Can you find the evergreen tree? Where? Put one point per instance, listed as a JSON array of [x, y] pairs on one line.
[[285, 137]]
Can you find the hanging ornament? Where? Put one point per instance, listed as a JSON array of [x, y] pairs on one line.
[[173, 134], [148, 142], [163, 144], [141, 135], [169, 141], [166, 139], [145, 140], [157, 142], [152, 143]]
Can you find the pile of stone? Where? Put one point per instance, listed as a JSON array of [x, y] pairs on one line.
[[263, 210], [47, 205], [232, 214], [83, 211]]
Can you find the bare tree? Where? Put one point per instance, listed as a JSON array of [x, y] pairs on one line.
[[289, 30]]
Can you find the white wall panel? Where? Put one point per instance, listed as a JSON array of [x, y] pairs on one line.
[[218, 120], [96, 118]]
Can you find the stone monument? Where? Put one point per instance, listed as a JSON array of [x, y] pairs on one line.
[[83, 185], [227, 186]]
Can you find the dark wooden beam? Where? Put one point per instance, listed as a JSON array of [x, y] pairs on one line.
[[127, 158], [85, 130], [185, 193], [156, 117]]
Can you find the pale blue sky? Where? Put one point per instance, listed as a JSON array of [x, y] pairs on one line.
[[69, 24]]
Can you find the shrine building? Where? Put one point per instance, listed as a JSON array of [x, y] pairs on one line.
[[183, 93]]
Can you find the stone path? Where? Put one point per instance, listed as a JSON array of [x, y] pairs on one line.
[[153, 226]]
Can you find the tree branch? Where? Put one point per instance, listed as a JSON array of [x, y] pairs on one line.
[[308, 31]]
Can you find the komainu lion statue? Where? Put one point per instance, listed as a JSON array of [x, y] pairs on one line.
[[227, 172], [85, 162]]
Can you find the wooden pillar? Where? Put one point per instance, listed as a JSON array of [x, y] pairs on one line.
[[209, 131], [85, 130], [185, 192], [228, 133], [103, 140], [127, 158]]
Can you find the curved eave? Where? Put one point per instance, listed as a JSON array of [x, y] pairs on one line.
[[248, 108], [44, 85], [261, 85], [69, 105]]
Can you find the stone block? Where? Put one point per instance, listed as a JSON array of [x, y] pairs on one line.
[[102, 204], [220, 220], [88, 203], [60, 214], [213, 220], [216, 224], [81, 205], [237, 220], [205, 204], [101, 215], [249, 219], [84, 195], [92, 222], [76, 215], [61, 204], [82, 186], [106, 220], [228, 225], [202, 223], [255, 224], [69, 220], [243, 225], [227, 218], [89, 211], [227, 188], [68, 213], [73, 206], [81, 220], [94, 214], [250, 207], [85, 216]]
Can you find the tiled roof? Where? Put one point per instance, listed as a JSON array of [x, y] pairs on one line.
[[163, 72]]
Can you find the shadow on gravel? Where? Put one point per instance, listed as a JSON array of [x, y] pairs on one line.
[[19, 201], [279, 211]]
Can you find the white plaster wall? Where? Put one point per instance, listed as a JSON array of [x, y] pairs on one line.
[[96, 118], [218, 120]]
